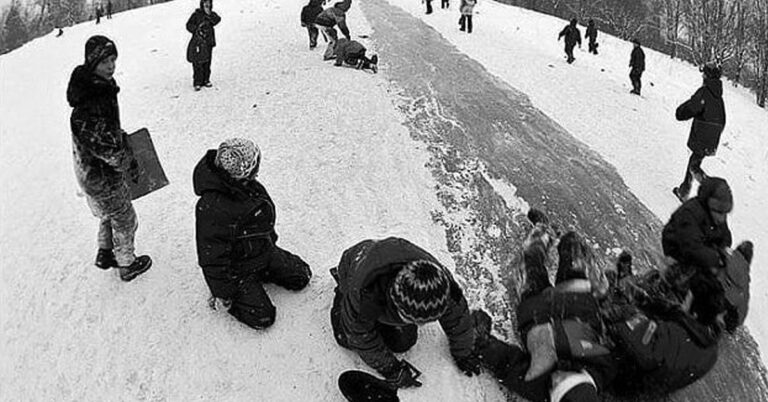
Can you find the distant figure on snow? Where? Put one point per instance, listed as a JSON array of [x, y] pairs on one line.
[[444, 4], [104, 161], [109, 9], [329, 18], [61, 31], [99, 13], [429, 6], [200, 47], [707, 109], [308, 15], [352, 52], [386, 289], [637, 66], [572, 37], [592, 35], [235, 232], [465, 21]]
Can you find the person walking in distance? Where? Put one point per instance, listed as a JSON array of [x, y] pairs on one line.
[[707, 109], [104, 160], [572, 37], [592, 35], [465, 21], [637, 66]]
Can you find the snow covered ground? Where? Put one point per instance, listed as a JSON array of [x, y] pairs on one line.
[[337, 162], [639, 136]]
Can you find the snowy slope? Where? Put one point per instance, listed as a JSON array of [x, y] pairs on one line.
[[337, 162], [639, 136]]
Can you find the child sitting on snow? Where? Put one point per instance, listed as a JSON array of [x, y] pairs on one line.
[[353, 53]]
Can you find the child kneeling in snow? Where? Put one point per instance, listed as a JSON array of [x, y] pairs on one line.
[[235, 231], [352, 52]]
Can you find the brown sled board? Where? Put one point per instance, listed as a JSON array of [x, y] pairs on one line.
[[151, 174]]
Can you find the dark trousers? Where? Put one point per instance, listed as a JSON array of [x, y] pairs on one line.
[[397, 339], [252, 305], [592, 46], [313, 34], [466, 23], [509, 363], [569, 52], [693, 171], [201, 73], [635, 76], [429, 6], [443, 3]]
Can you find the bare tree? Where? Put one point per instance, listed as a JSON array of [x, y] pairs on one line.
[[759, 51]]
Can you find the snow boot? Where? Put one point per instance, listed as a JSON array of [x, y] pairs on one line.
[[360, 64], [681, 193], [105, 258], [208, 84], [746, 248], [197, 88], [359, 386], [140, 265]]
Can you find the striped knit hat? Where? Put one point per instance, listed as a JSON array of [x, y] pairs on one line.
[[421, 291], [239, 157]]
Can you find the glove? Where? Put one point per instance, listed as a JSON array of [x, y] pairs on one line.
[[133, 171], [404, 375], [470, 365]]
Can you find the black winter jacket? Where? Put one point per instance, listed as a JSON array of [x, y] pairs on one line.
[[572, 35], [332, 16], [692, 237], [101, 150], [591, 33], [637, 60], [203, 40], [235, 223], [707, 109], [311, 11], [366, 272]]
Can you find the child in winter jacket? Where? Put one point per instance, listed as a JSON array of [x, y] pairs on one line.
[[591, 34], [572, 37], [352, 52], [329, 18], [386, 288], [104, 161], [308, 15], [200, 47], [235, 231], [465, 21]]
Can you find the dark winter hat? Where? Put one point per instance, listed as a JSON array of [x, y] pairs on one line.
[[574, 21], [343, 5], [420, 291], [636, 41], [98, 48], [239, 157], [716, 193], [711, 70], [203, 1]]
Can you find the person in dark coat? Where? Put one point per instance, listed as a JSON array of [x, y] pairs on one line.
[[637, 66], [566, 359], [444, 4], [429, 6], [352, 52], [200, 47], [707, 109], [592, 35], [386, 288], [99, 13], [235, 233], [330, 17], [308, 15], [109, 9], [104, 161], [572, 37], [466, 8]]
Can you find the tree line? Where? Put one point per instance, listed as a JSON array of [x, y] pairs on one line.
[[734, 33], [26, 20]]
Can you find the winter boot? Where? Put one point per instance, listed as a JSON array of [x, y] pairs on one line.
[[375, 63], [197, 88], [360, 64], [482, 328], [140, 265], [105, 259], [681, 193], [208, 84]]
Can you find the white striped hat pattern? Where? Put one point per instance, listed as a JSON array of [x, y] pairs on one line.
[[420, 291]]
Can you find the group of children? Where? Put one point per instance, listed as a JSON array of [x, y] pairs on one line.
[[586, 334], [466, 8], [343, 50]]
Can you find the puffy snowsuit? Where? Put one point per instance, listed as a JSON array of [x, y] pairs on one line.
[[363, 310], [236, 243], [102, 159], [707, 109]]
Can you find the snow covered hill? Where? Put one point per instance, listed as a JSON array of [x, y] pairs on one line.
[[340, 166]]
